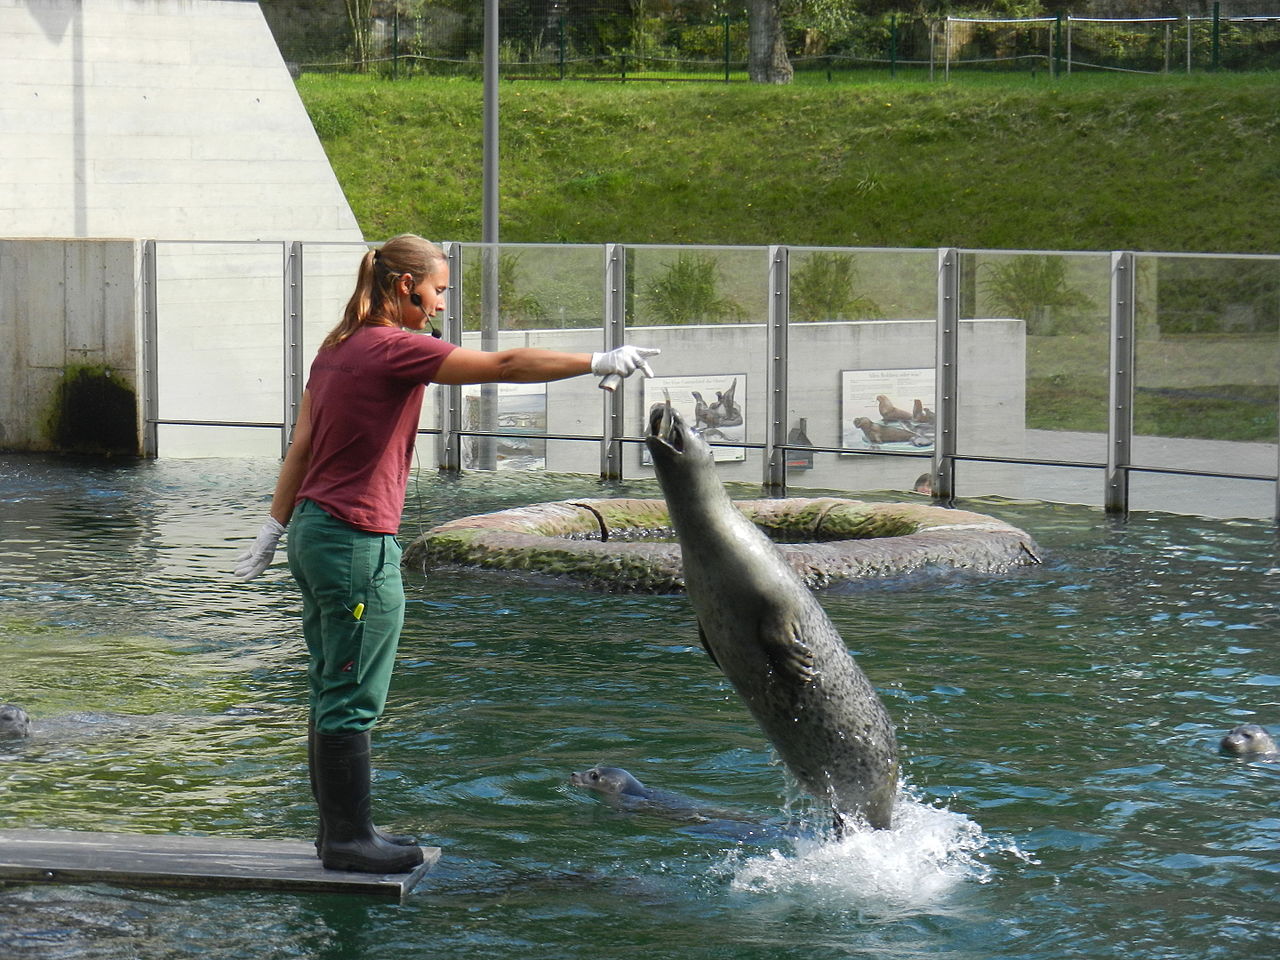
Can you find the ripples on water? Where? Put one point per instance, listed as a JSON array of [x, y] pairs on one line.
[[1058, 726]]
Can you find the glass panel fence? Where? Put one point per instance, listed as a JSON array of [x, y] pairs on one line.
[[824, 473], [861, 350], [1204, 496], [1020, 481], [706, 308], [328, 279], [532, 295], [220, 346], [1032, 362], [1207, 364]]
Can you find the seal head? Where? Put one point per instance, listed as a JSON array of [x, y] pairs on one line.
[[14, 723], [613, 781], [1251, 741]]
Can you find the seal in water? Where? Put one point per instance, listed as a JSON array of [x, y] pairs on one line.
[[767, 633], [611, 781], [623, 790], [1251, 741], [14, 722]]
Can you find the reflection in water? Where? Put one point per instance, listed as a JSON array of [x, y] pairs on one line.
[[1059, 728]]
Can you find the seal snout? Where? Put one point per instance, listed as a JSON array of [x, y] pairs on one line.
[[666, 427]]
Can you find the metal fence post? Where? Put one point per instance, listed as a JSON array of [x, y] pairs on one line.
[[1120, 415], [1217, 38], [449, 441], [150, 352], [947, 374], [1056, 66], [726, 48], [946, 51], [293, 315], [893, 45], [775, 454], [615, 307]]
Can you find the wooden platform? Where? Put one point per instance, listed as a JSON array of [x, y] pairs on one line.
[[211, 863]]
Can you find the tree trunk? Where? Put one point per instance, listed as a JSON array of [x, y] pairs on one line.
[[767, 49]]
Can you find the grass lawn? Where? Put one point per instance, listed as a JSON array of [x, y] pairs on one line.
[[1086, 162]]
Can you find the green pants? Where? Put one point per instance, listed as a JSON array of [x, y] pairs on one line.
[[352, 614]]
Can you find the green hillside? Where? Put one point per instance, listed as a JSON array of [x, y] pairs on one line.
[[1087, 162]]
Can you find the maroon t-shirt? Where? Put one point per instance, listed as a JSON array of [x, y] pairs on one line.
[[366, 398]]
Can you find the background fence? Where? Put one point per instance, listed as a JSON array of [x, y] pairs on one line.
[[557, 41], [1119, 379]]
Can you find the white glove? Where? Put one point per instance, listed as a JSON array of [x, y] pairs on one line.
[[258, 557], [623, 361]]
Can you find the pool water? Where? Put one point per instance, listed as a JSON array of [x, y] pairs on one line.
[[1063, 796]]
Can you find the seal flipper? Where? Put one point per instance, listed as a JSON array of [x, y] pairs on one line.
[[786, 649], [702, 639]]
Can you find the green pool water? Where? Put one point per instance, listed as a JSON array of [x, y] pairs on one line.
[[1063, 797]]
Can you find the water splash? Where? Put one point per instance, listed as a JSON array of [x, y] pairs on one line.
[[928, 853]]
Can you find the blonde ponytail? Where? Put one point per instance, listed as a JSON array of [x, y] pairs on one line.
[[372, 302]]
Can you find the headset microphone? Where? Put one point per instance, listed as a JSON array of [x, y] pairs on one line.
[[416, 300]]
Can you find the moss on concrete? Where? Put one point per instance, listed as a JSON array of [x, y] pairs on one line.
[[94, 411], [827, 540]]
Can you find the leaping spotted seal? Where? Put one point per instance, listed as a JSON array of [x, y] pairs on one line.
[[14, 723], [770, 637], [1251, 741]]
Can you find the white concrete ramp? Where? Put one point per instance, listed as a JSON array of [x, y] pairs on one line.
[[169, 119]]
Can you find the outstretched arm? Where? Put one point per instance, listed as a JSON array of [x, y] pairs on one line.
[[520, 365], [534, 365]]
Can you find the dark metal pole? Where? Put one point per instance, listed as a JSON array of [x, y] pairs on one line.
[[1217, 35], [1120, 417], [489, 213], [487, 447], [893, 45], [948, 377], [726, 48]]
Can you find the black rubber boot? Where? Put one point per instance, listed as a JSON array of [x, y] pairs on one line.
[[341, 765], [400, 839]]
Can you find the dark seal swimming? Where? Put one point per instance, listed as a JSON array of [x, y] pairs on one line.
[[769, 636], [622, 790], [611, 781], [14, 722]]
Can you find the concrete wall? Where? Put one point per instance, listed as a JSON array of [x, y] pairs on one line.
[[166, 119], [172, 119], [64, 305]]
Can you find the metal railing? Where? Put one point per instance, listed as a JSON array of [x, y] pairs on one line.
[[606, 44], [971, 403]]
